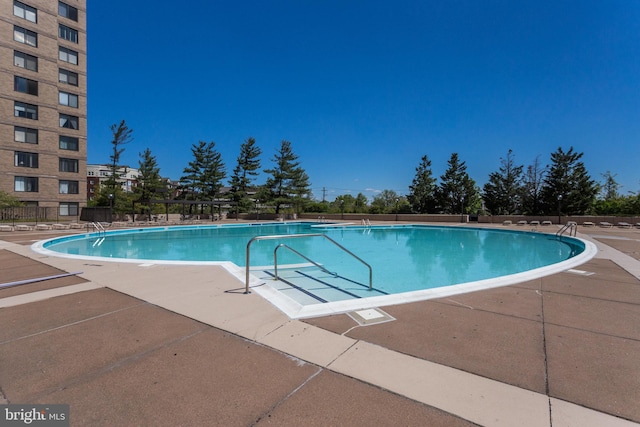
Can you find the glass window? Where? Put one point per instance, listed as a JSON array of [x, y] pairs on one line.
[[25, 12], [68, 99], [68, 209], [68, 77], [22, 35], [67, 33], [25, 160], [68, 165], [27, 135], [22, 60], [68, 143], [20, 84], [69, 122], [25, 183], [68, 55], [68, 187], [67, 11], [27, 111]]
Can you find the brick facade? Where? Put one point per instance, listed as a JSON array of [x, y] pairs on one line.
[[50, 191]]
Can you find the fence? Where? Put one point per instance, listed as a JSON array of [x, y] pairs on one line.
[[33, 214]]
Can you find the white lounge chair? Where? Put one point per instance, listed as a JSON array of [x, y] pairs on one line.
[[605, 224]]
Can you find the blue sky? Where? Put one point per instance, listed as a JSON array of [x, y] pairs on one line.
[[364, 89]]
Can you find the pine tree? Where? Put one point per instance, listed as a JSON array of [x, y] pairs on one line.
[[532, 188], [567, 186], [122, 135], [149, 181], [422, 195], [288, 184], [203, 176], [503, 192], [457, 192], [245, 173]]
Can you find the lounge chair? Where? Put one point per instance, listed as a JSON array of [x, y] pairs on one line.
[[535, 223], [6, 228], [588, 224], [546, 223], [22, 227], [507, 222], [42, 227], [624, 225], [605, 224], [523, 222]]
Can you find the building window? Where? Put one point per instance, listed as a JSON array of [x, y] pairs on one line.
[[67, 11], [68, 77], [68, 209], [68, 143], [67, 33], [22, 35], [22, 60], [69, 122], [25, 12], [68, 165], [25, 184], [20, 84], [68, 187], [68, 99], [28, 111], [25, 160], [27, 135], [68, 55]]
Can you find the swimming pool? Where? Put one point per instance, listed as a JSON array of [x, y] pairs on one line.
[[407, 260]]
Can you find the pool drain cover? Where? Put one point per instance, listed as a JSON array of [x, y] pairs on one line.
[[370, 316]]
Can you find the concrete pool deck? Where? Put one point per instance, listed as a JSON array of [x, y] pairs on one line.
[[133, 344]]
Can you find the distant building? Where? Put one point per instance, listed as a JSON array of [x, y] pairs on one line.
[[43, 102], [98, 174]]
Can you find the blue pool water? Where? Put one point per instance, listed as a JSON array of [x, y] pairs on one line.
[[404, 257]]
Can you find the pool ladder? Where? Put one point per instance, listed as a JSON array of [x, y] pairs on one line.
[[570, 226], [298, 236], [99, 228]]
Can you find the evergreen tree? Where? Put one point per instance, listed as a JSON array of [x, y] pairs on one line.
[[422, 194], [203, 176], [288, 184], [122, 135], [149, 180], [610, 188], [457, 192], [245, 173], [503, 192], [361, 203], [532, 188], [568, 187]]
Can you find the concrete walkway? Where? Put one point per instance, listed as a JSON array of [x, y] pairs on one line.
[[133, 344]]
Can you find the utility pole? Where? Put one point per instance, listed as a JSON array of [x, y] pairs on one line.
[[324, 194]]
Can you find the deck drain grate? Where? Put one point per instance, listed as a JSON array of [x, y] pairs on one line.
[[370, 316]]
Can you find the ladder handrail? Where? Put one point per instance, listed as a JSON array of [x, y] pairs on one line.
[[571, 226], [297, 236]]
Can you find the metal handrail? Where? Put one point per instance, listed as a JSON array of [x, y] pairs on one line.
[[571, 226], [99, 228], [297, 236]]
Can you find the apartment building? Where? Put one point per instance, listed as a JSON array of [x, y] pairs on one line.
[[98, 174], [43, 103]]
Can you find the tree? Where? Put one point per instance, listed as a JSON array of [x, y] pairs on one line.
[[288, 184], [122, 135], [245, 173], [532, 188], [204, 174], [149, 181], [457, 192], [387, 201], [610, 187], [422, 191], [8, 201], [567, 186], [503, 191]]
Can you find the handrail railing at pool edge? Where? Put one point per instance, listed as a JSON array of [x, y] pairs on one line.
[[571, 226], [297, 236]]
